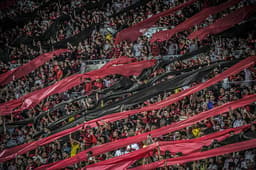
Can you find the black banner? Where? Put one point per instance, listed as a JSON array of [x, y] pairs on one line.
[[145, 94], [240, 30], [122, 87], [51, 31], [54, 27]]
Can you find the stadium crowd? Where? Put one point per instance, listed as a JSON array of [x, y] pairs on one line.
[[100, 45]]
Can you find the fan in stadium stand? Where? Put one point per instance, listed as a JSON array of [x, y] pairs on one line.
[[128, 84]]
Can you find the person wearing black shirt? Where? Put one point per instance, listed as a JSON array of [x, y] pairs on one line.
[[250, 134], [233, 138]]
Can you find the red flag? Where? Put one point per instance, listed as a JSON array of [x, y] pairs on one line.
[[133, 32], [25, 69], [224, 23], [194, 20], [32, 99], [21, 149]]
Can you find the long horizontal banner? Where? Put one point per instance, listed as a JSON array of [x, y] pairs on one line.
[[86, 33], [185, 146], [34, 98], [27, 68], [54, 27], [140, 94], [21, 149], [133, 32], [100, 149], [235, 147], [224, 23], [51, 31], [145, 93], [124, 86], [194, 20], [121, 88]]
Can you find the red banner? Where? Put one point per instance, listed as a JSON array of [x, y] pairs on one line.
[[27, 68], [224, 23], [194, 20], [236, 147], [184, 146], [21, 149], [100, 149], [30, 100], [132, 33]]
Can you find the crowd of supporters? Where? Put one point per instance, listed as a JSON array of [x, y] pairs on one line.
[[104, 21]]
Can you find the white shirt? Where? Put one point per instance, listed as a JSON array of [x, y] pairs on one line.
[[249, 155], [119, 152], [212, 167], [134, 146], [137, 49], [225, 83], [238, 123], [172, 49]]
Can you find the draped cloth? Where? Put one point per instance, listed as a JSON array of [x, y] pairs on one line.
[[100, 149], [194, 20], [185, 146], [224, 23], [11, 153], [133, 32], [235, 147], [27, 68], [32, 99]]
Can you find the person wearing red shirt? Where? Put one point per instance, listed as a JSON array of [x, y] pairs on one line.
[[56, 67], [114, 136], [155, 50], [59, 74], [88, 86], [88, 137], [98, 84]]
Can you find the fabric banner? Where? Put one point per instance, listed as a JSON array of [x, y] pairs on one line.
[[27, 68], [241, 30], [143, 93], [121, 88], [53, 28], [74, 40], [194, 20], [185, 146], [100, 149], [224, 23], [235, 147], [133, 32], [125, 85], [84, 34], [30, 100], [50, 32], [11, 153], [203, 49]]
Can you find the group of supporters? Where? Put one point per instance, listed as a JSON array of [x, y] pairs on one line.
[[103, 19]]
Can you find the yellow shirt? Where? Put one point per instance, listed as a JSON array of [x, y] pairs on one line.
[[109, 37], [177, 90], [71, 119], [74, 149], [144, 146], [196, 132]]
